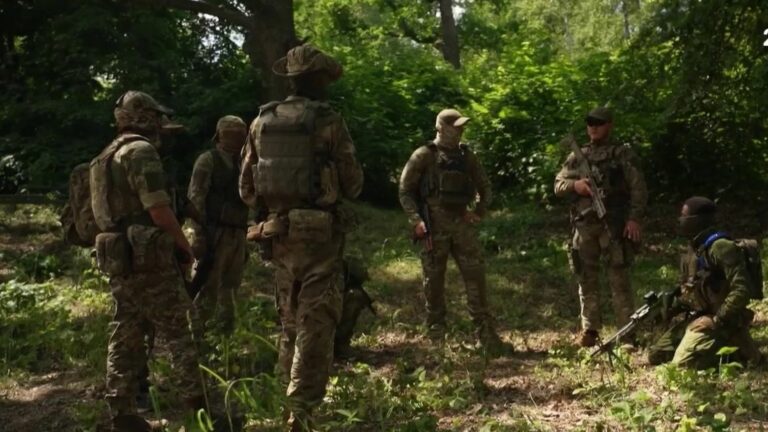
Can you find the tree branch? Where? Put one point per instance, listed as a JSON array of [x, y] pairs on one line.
[[227, 13]]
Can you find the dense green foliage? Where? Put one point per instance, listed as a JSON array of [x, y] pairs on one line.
[[686, 79]]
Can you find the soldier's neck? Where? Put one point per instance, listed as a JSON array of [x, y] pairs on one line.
[[600, 142]]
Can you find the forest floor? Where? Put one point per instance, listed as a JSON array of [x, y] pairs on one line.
[[54, 314]]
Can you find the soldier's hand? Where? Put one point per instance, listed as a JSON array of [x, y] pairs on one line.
[[420, 230], [471, 217], [582, 187], [254, 233], [632, 231]]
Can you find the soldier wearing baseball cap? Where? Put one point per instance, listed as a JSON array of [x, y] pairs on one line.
[[439, 190], [304, 163], [219, 241], [618, 179]]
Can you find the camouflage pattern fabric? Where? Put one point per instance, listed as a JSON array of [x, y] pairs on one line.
[[307, 274], [719, 298], [308, 283], [451, 236], [144, 298], [626, 197], [216, 300], [140, 300]]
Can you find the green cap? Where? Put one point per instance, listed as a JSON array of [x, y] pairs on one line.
[[132, 106], [601, 113]]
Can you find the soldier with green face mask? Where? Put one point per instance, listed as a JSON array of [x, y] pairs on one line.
[[715, 287], [299, 164], [219, 244], [443, 180]]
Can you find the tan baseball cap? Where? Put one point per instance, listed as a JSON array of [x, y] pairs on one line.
[[451, 117]]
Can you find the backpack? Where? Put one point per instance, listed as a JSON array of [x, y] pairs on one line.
[[289, 169], [78, 217], [752, 260]]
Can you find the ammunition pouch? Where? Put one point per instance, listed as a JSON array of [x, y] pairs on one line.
[[113, 253], [455, 189], [153, 249], [309, 225]]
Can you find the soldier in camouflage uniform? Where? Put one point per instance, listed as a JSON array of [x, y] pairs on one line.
[[138, 249], [444, 177], [299, 162], [617, 235], [717, 293], [219, 242]]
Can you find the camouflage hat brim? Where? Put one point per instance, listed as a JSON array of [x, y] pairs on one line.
[[169, 125], [461, 121], [305, 59]]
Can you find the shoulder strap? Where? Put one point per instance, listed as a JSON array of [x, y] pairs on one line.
[[702, 261]]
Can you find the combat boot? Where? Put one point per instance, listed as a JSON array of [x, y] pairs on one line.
[[135, 423], [587, 338]]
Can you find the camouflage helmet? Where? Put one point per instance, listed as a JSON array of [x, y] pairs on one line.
[[139, 110], [230, 126], [450, 117], [304, 59]]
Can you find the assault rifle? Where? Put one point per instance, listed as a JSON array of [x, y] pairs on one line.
[[424, 189], [656, 304], [595, 178]]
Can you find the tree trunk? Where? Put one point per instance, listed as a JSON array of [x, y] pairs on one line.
[[449, 33], [268, 28], [272, 35]]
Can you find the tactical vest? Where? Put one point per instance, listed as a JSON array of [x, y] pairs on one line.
[[450, 179], [223, 206], [114, 211], [289, 171], [612, 179]]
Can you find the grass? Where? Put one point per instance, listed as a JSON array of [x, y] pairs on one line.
[[54, 311]]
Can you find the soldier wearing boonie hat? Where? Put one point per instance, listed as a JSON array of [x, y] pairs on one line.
[[299, 163], [439, 187], [219, 242]]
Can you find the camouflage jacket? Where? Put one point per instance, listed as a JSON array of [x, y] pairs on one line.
[[423, 162], [138, 182], [623, 183], [719, 288], [330, 132]]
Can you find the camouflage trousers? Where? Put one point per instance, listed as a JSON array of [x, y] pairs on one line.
[[452, 236], [307, 288], [590, 243], [215, 303], [691, 345], [144, 302]]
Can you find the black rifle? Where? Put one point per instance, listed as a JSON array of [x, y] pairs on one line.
[[424, 213], [595, 178], [204, 265], [655, 306]]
